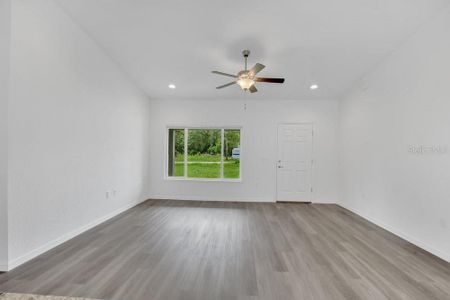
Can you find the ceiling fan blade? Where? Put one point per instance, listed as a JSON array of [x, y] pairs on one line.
[[256, 69], [225, 85], [224, 74], [253, 89], [270, 80]]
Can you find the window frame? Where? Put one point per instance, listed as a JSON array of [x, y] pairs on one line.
[[186, 137]]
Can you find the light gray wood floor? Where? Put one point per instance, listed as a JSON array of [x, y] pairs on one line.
[[211, 250]]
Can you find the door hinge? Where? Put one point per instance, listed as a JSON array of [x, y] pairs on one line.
[[311, 190]]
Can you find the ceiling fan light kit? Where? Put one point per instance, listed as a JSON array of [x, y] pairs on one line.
[[246, 79], [245, 83]]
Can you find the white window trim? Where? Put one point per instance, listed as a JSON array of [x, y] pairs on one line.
[[185, 178]]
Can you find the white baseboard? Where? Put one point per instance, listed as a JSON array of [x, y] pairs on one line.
[[56, 242], [225, 199], [407, 237], [323, 202], [3, 267], [207, 198]]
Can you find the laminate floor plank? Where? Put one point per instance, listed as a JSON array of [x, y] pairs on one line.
[[199, 250]]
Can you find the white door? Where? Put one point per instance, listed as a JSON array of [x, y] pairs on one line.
[[294, 165]]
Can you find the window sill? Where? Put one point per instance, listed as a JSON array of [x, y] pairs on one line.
[[204, 179]]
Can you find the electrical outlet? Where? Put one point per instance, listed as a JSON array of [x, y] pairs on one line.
[[107, 195]]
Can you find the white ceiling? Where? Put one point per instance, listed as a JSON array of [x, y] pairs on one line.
[[332, 43]]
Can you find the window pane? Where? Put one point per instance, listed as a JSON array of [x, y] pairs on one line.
[[176, 153], [232, 154], [204, 148]]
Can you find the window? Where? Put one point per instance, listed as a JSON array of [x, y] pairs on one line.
[[176, 152], [204, 153]]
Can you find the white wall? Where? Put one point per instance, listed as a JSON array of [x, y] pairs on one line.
[[5, 38], [259, 153], [78, 128], [404, 102]]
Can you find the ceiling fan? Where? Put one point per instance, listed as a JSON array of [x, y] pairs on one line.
[[246, 79]]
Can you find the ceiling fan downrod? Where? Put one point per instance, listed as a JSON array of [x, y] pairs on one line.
[[246, 53]]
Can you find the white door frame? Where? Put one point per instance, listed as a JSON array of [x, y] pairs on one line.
[[313, 126]]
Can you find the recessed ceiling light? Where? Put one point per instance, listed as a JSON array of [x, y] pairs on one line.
[[172, 86], [314, 87]]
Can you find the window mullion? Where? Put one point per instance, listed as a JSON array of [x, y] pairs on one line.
[[222, 139], [186, 132]]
